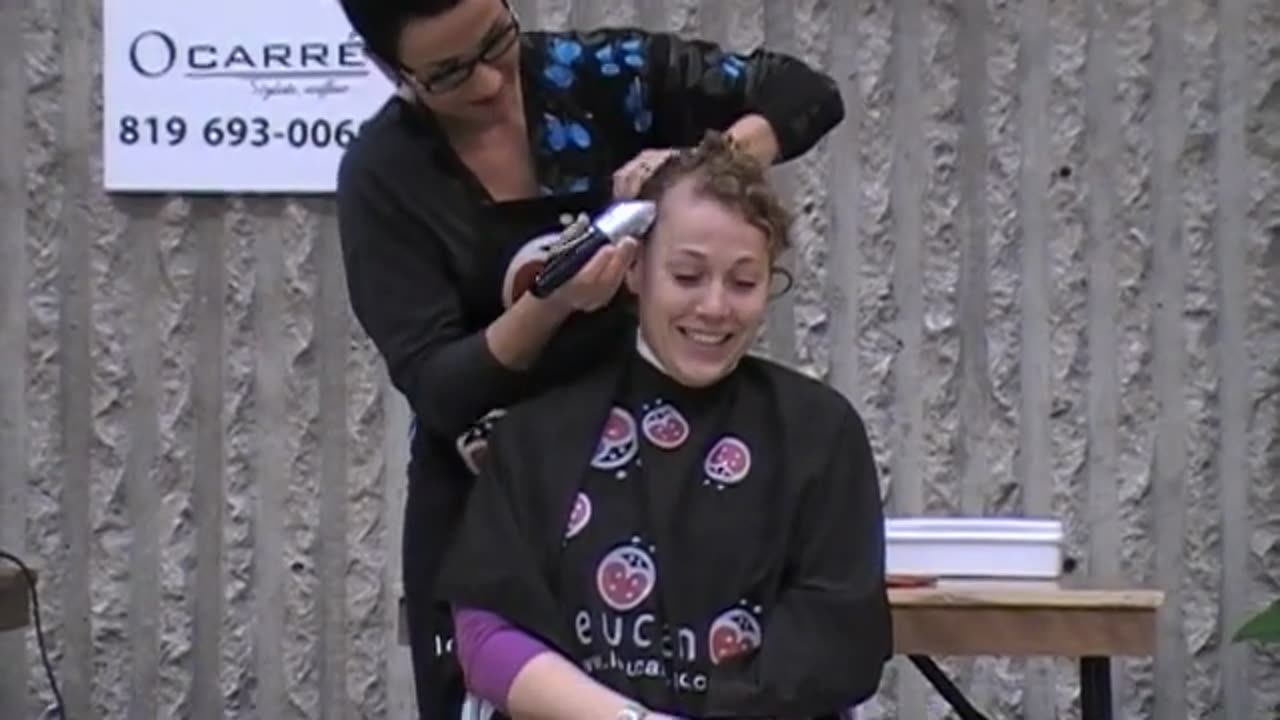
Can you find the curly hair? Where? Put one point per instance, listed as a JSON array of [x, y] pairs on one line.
[[729, 176]]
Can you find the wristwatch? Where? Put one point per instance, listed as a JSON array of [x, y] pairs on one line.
[[632, 711]]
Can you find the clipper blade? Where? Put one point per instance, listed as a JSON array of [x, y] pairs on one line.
[[630, 217]]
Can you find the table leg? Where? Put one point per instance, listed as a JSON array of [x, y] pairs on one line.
[[1095, 688], [946, 688]]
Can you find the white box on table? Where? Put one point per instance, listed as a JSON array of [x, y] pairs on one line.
[[992, 548]]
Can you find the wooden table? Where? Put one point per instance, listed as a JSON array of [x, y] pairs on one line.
[[1093, 625], [14, 609]]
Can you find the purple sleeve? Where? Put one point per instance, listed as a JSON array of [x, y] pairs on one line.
[[491, 652]]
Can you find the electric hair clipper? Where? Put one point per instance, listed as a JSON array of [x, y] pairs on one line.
[[631, 217]]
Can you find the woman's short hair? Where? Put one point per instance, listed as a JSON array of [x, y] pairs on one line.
[[379, 22], [722, 172]]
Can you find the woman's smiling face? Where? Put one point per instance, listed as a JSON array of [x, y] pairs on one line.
[[702, 282]]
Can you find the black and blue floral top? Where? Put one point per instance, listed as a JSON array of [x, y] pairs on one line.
[[431, 259], [630, 90]]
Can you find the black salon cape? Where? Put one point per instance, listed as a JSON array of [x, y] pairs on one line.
[[759, 540]]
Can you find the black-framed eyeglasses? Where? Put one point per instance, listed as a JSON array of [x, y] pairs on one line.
[[451, 75]]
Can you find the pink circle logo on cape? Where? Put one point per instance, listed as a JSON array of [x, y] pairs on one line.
[[618, 441], [625, 577], [728, 462], [733, 633], [665, 427], [579, 516]]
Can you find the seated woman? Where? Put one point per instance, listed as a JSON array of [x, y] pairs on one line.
[[689, 531]]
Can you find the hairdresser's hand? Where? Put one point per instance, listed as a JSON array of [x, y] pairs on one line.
[[628, 179], [598, 281]]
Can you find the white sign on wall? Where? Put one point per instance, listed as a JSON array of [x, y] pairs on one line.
[[234, 96]]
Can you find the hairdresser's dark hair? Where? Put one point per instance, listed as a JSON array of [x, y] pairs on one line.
[[379, 22], [722, 172]]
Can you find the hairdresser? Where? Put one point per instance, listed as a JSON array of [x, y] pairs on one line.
[[451, 193]]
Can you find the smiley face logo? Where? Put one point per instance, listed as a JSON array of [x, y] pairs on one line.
[[579, 516], [618, 442], [728, 462], [665, 427], [625, 577], [735, 632]]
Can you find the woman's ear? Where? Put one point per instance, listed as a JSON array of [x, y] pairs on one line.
[[635, 271], [780, 282]]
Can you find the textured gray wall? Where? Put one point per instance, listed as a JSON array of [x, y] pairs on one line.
[[1043, 255]]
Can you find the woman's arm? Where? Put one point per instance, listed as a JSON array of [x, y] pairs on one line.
[[521, 676], [520, 334], [830, 634], [775, 104], [491, 652], [550, 687], [667, 91], [408, 305]]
